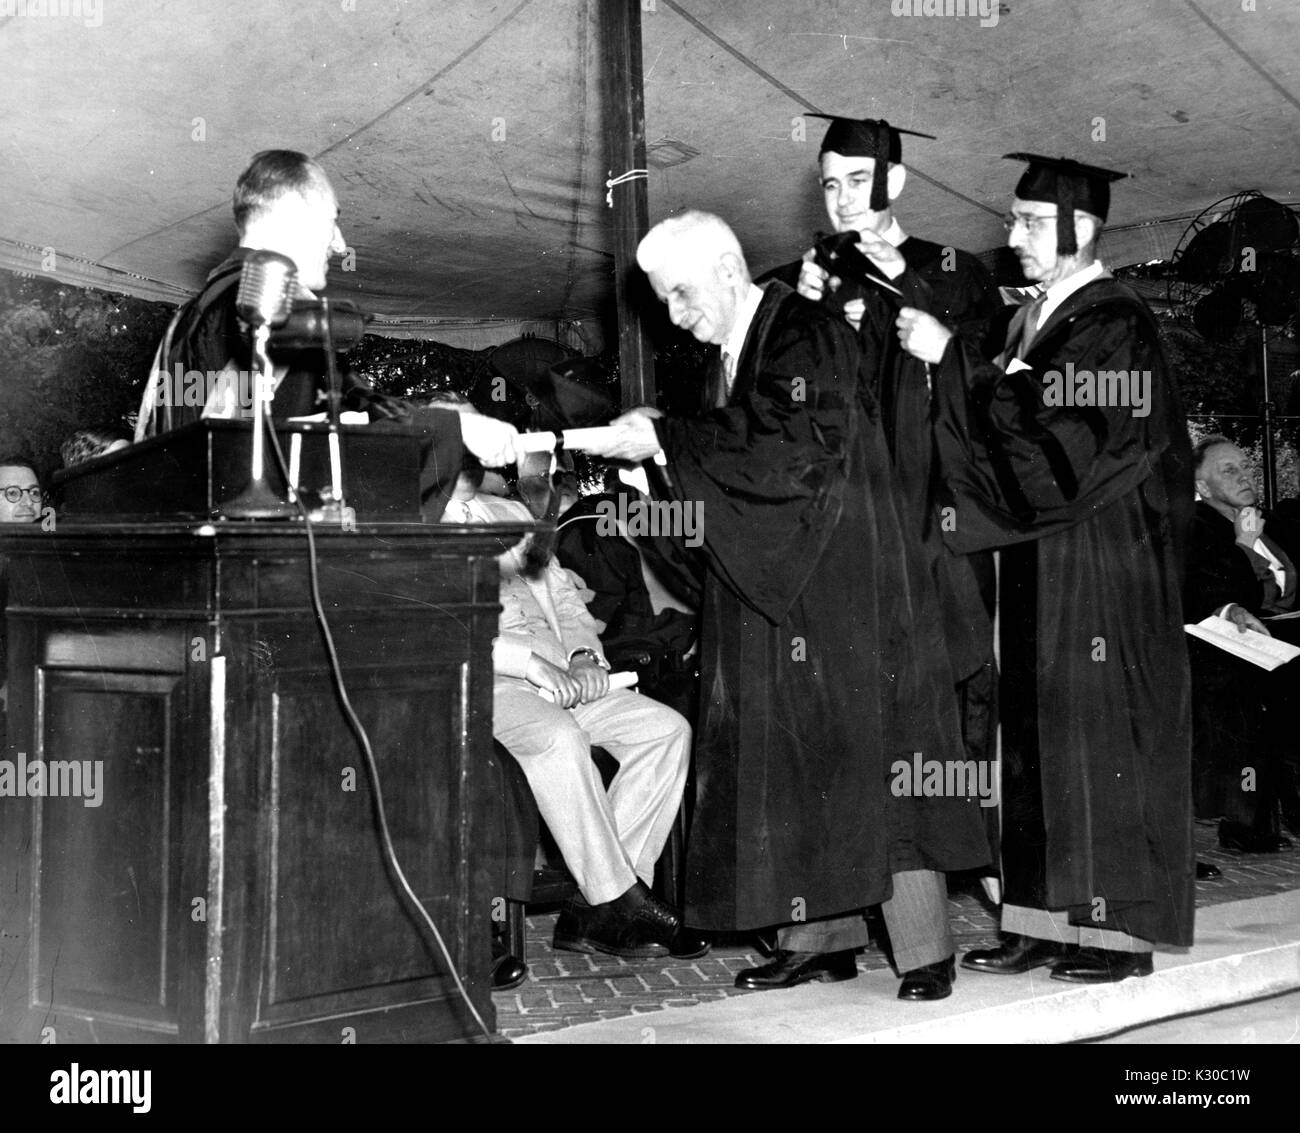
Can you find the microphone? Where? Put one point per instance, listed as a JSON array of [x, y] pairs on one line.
[[266, 284]]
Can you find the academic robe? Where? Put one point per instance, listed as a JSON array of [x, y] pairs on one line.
[[952, 285], [1090, 506], [816, 675], [209, 337]]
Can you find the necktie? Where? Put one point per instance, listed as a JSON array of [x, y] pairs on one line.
[[1032, 315], [1028, 304], [719, 385]]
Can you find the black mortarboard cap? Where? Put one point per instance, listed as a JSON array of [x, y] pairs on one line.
[[1068, 185], [868, 137]]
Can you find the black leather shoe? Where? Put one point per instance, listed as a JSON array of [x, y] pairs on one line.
[[508, 971], [1235, 836], [602, 928], [1207, 872], [1016, 954], [657, 918], [636, 925], [934, 981], [688, 945], [790, 969], [1101, 966], [663, 923]]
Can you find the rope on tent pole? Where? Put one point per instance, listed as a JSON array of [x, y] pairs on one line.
[[621, 179]]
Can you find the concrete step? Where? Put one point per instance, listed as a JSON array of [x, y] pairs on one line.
[[1244, 950]]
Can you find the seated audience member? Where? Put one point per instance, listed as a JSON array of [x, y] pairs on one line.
[[21, 495], [1241, 563], [650, 632], [20, 502], [85, 444], [610, 840]]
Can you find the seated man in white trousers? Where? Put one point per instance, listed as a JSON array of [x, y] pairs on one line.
[[611, 839]]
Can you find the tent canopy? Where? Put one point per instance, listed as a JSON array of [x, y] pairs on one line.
[[465, 139]]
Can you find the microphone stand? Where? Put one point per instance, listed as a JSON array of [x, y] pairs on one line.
[[258, 500], [335, 509]]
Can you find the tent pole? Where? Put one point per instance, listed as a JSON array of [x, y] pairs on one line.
[[620, 66]]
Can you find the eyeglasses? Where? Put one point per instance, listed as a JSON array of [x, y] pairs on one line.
[[13, 495], [1030, 224]]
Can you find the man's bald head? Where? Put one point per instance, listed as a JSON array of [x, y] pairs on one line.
[[697, 267]]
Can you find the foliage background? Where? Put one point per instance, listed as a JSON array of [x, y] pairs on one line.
[[75, 357]]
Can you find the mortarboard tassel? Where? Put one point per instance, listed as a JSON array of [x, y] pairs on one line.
[[1065, 243], [880, 175]]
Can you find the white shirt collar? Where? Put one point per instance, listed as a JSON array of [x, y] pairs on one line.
[[1062, 289], [894, 234], [745, 313]]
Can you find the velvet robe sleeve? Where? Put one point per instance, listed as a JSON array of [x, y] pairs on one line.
[[962, 294], [1020, 461]]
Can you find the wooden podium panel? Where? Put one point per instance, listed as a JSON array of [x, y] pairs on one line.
[[192, 471], [229, 884]]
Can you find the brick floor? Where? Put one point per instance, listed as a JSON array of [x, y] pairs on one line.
[[565, 989]]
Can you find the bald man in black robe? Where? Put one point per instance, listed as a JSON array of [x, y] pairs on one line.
[[821, 672]]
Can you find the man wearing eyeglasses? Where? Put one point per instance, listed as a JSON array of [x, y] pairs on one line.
[[1070, 452], [20, 502], [20, 491]]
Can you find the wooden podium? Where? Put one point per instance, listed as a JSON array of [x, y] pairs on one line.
[[229, 883]]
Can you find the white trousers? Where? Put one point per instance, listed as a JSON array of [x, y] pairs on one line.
[[611, 838]]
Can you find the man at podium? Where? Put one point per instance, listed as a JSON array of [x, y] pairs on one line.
[[284, 203]]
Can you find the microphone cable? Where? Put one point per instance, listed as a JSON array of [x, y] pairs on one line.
[[358, 730]]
